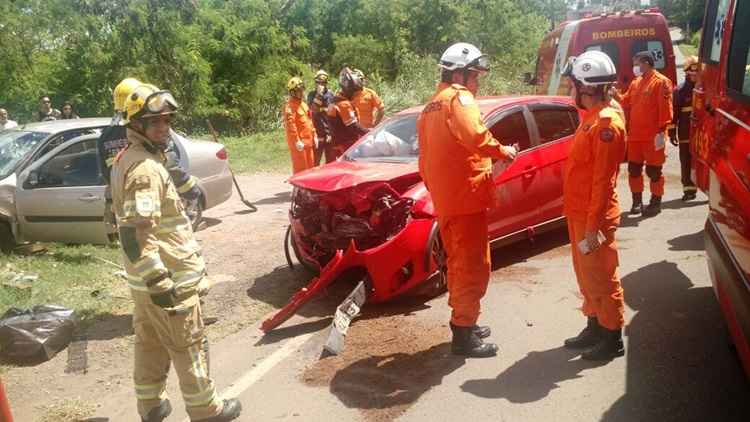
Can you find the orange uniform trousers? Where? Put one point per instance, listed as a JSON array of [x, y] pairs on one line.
[[302, 160], [640, 153], [597, 277], [465, 242]]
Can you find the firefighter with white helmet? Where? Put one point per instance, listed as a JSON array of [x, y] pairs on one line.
[[591, 206], [164, 266], [455, 161]]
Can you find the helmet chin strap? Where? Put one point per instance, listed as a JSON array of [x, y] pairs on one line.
[[150, 145], [579, 103]]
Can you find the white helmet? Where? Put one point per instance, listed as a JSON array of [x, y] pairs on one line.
[[464, 56], [591, 68]]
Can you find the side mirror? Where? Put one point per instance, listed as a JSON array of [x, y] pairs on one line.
[[32, 180]]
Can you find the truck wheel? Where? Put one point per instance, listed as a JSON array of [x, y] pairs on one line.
[[438, 283], [7, 242]]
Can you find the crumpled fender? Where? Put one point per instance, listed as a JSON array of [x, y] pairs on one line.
[[340, 262]]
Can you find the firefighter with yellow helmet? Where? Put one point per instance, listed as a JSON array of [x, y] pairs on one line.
[[300, 132], [164, 267]]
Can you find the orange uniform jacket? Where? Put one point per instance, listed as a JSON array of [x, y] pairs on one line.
[[455, 152], [648, 105], [366, 101], [591, 169], [298, 123]]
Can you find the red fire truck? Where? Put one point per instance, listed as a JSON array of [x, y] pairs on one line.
[[720, 143], [620, 35]]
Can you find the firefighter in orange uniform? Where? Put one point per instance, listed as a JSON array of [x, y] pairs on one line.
[[591, 207], [648, 106], [300, 132], [455, 162], [370, 108], [343, 119]]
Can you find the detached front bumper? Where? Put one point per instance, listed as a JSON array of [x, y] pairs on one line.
[[394, 268]]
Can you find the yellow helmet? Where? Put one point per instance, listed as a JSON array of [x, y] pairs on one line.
[[122, 91], [321, 76], [691, 61], [148, 101], [294, 83]]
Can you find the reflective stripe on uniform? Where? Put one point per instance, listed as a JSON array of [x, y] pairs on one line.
[[187, 279], [148, 265], [137, 283], [150, 391], [173, 224], [191, 182], [204, 398], [686, 109]]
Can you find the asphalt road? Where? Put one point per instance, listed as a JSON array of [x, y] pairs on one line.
[[396, 366]]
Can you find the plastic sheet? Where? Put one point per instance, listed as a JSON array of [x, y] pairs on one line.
[[36, 334]]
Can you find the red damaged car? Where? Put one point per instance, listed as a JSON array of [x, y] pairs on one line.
[[370, 212]]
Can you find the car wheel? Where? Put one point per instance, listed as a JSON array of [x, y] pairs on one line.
[[194, 212], [438, 283], [7, 241], [289, 240]]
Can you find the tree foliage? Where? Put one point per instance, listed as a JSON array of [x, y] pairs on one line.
[[229, 60]]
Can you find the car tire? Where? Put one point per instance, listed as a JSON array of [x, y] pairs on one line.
[[7, 241], [194, 212], [289, 241], [438, 283]]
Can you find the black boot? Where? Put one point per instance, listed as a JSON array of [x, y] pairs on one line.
[[654, 206], [159, 413], [466, 343], [688, 195], [230, 412], [609, 346], [587, 338], [637, 207], [481, 331]]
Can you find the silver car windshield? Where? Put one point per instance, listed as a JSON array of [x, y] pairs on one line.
[[15, 145], [393, 140]]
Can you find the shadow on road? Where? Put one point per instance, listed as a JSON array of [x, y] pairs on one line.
[[679, 367], [676, 204], [109, 326], [393, 381], [277, 198], [283, 333], [688, 242], [531, 378], [525, 249]]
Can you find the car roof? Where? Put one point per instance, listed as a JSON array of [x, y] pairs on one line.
[[54, 126], [488, 105]]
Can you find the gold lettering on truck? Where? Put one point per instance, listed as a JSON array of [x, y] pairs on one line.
[[626, 33]]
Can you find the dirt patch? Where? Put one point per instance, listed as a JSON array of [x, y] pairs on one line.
[[515, 273], [387, 365]]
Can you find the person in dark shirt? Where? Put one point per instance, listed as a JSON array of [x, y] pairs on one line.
[[67, 111], [679, 133], [46, 111], [319, 99]]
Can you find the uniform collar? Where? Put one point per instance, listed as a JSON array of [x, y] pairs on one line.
[[594, 111], [295, 100], [136, 138]]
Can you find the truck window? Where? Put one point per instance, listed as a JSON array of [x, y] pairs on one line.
[[713, 30], [738, 74], [610, 49], [654, 46], [554, 123]]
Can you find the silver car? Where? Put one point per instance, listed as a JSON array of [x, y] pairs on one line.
[[51, 188]]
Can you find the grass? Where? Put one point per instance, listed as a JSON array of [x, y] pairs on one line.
[[261, 152], [688, 49], [76, 277]]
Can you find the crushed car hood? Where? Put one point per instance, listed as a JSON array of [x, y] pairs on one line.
[[346, 174]]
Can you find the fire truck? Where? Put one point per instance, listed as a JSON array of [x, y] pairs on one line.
[[720, 144], [620, 35]]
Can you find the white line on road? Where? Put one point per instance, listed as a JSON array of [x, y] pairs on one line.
[[255, 374]]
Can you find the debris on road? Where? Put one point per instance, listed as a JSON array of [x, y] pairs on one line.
[[11, 278], [345, 313], [36, 334]]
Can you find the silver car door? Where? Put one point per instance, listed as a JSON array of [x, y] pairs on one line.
[[60, 198]]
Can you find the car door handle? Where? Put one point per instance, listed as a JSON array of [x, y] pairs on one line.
[[89, 198]]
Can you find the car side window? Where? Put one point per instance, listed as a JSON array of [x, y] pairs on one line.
[[553, 123], [512, 129], [738, 77], [61, 138], [76, 165]]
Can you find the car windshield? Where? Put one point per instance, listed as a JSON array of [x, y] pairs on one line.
[[394, 140], [15, 145]]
